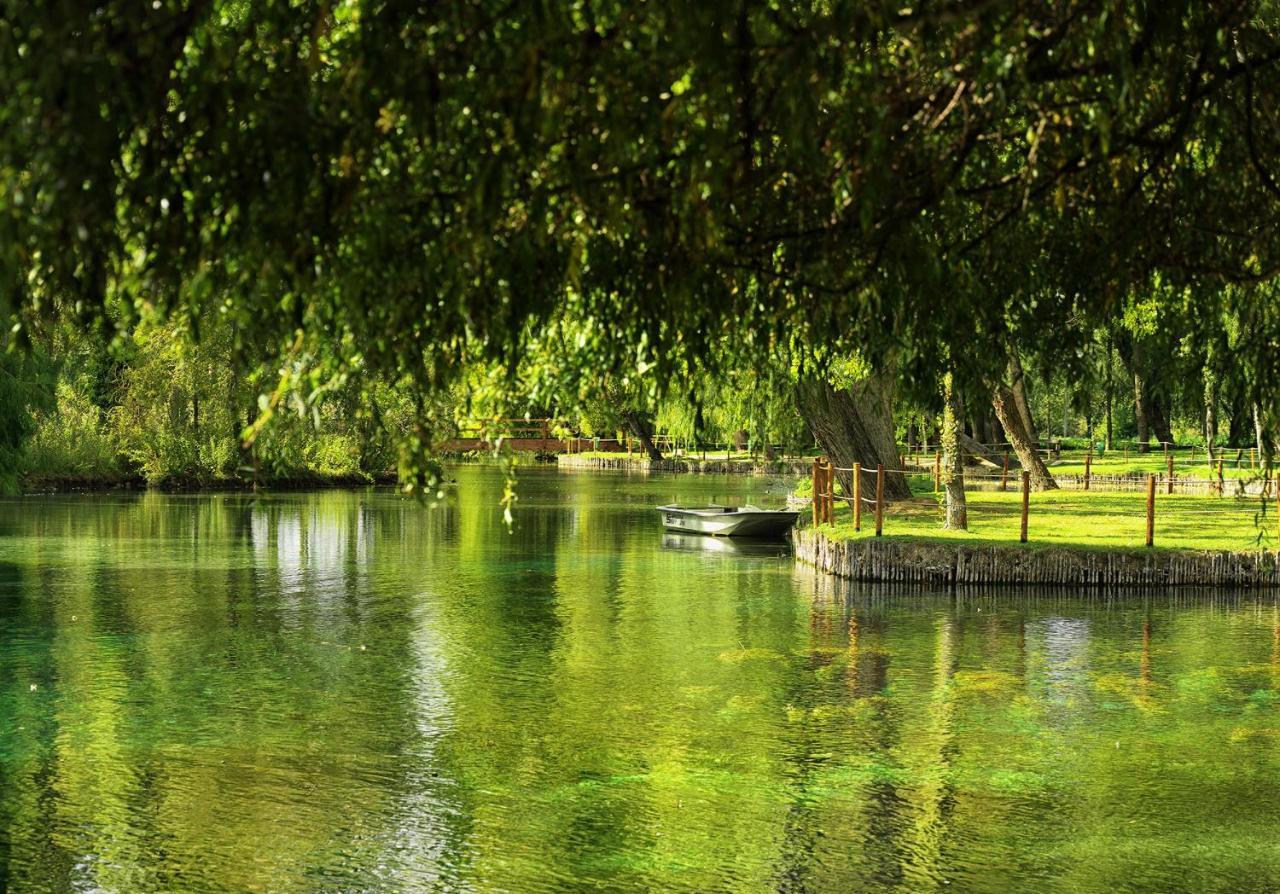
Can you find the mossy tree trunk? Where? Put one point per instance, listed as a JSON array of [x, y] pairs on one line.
[[957, 516], [1210, 410]]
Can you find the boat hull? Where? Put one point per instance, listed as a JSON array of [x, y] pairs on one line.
[[723, 522]]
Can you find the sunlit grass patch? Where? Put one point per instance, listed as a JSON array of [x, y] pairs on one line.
[[1080, 519]]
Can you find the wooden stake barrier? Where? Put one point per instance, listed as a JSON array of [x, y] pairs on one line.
[[879, 500], [857, 496], [1026, 503], [1004, 475], [1169, 465], [1151, 510]]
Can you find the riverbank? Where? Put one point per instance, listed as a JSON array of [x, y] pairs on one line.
[[1074, 539], [56, 484], [642, 464]]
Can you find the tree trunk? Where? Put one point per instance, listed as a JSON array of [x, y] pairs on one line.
[[1140, 412], [1257, 429], [1210, 411], [855, 425], [641, 428], [1110, 389], [1159, 410], [1018, 386], [957, 518], [1006, 410], [1236, 431]]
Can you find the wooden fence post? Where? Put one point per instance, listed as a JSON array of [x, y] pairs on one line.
[[879, 500], [1169, 465], [857, 496], [937, 471], [1088, 467], [817, 483], [1151, 510], [1004, 475], [1220, 481], [829, 501], [1026, 503]]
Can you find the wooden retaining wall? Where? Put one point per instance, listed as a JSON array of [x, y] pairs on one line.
[[958, 564], [707, 467]]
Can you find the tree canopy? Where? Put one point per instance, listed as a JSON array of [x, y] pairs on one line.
[[387, 188]]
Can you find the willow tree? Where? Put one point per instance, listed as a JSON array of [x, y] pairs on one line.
[[399, 182]]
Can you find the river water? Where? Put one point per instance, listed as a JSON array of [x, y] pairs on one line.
[[346, 691]]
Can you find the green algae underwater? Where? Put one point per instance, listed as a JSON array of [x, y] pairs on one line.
[[347, 691]]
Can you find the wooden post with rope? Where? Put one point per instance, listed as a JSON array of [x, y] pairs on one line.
[[1088, 467], [879, 500], [857, 496], [1169, 466], [817, 479], [1221, 483], [829, 500]]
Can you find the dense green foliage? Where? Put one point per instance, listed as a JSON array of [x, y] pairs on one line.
[[377, 195]]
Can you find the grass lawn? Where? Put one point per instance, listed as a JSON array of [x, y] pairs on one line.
[[1184, 465], [1087, 520]]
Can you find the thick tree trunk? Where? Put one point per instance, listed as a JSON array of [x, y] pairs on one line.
[[1140, 412], [1159, 410], [1237, 433], [1018, 386], [1006, 410], [855, 425], [643, 430], [978, 450], [957, 518]]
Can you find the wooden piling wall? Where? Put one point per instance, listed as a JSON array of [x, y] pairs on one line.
[[958, 564]]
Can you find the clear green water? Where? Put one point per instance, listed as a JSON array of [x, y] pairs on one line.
[[346, 692]]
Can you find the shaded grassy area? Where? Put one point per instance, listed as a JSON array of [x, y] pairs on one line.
[[1085, 520]]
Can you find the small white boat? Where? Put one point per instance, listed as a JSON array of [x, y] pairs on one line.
[[728, 521]]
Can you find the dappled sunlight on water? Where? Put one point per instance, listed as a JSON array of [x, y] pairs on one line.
[[345, 691]]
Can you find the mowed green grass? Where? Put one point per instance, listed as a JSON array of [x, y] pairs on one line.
[[1082, 519], [1185, 464]]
